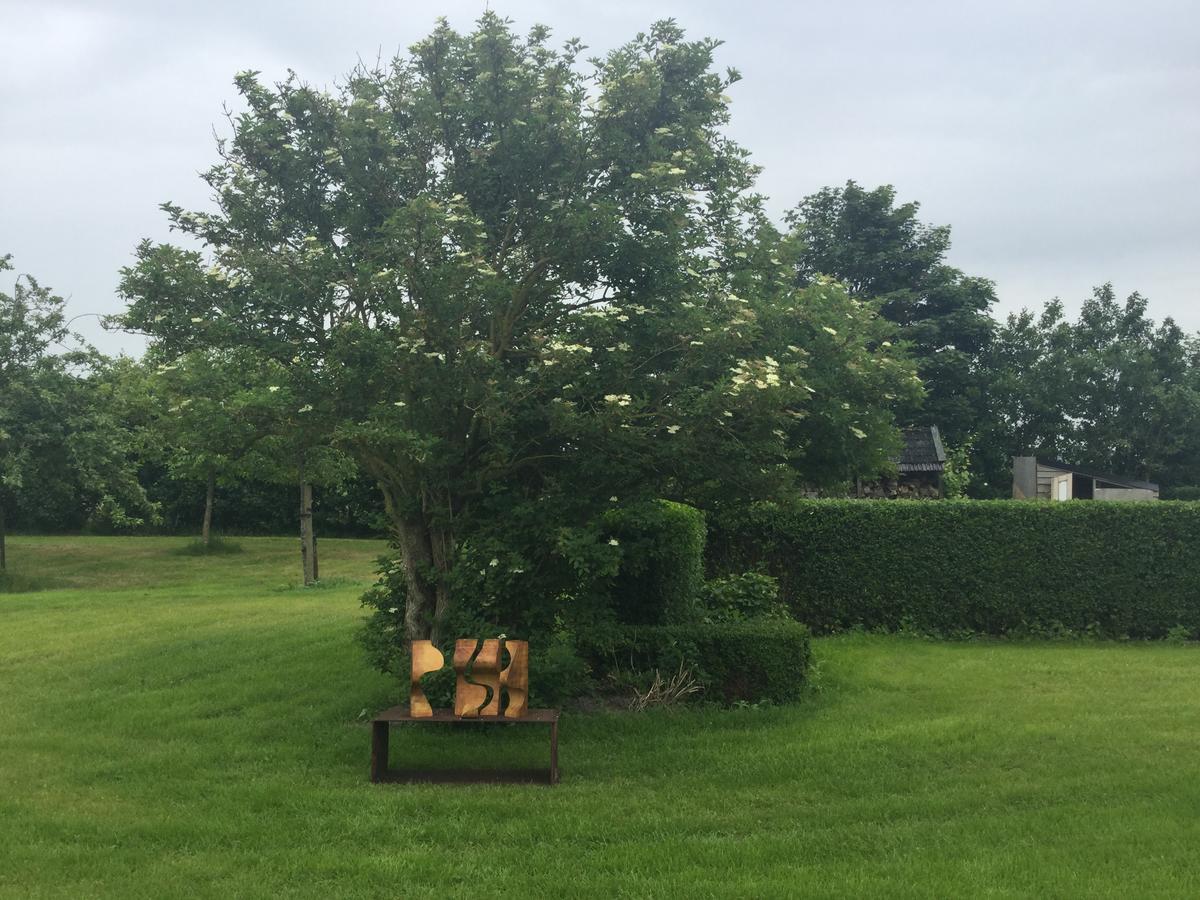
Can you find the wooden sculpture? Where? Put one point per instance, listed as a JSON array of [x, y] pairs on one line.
[[486, 671], [479, 679], [515, 679], [426, 658], [468, 696]]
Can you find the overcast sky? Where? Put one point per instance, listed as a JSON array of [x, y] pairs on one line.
[[1060, 140]]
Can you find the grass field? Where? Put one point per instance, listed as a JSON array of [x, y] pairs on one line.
[[180, 726]]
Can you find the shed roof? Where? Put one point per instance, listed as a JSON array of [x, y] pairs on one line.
[[923, 450], [1088, 472]]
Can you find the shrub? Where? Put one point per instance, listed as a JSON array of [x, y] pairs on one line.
[[740, 598], [662, 562], [732, 662], [991, 567]]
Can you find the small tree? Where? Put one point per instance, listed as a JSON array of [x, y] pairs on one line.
[[213, 410]]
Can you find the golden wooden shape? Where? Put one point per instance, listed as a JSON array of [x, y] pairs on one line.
[[486, 672], [468, 696], [426, 658], [515, 679]]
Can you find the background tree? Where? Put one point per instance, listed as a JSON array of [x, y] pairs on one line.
[[62, 451], [1112, 390], [879, 249], [507, 285], [297, 452], [212, 412]]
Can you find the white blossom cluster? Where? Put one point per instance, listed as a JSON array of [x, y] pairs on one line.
[[761, 374]]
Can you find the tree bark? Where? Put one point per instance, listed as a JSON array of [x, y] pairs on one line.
[[416, 553], [426, 554], [209, 493], [308, 539]]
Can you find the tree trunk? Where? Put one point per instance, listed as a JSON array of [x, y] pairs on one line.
[[308, 539], [420, 607], [209, 493], [3, 560], [425, 553]]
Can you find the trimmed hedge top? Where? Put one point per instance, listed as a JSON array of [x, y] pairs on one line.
[[983, 566]]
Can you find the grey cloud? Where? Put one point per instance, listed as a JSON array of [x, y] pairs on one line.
[[1058, 139]]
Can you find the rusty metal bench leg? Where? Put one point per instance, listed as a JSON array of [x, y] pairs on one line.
[[379, 750], [554, 752]]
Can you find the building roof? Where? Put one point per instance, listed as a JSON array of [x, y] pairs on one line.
[[1118, 480], [923, 450]]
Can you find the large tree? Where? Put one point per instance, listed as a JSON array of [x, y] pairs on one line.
[[515, 288], [881, 249]]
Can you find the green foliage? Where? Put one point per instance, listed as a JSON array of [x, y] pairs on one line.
[[252, 506], [1113, 390], [635, 565], [66, 455], [991, 567], [642, 566], [1189, 492], [382, 632], [662, 562], [557, 671], [512, 285], [957, 476], [735, 662], [740, 598], [1179, 634], [229, 416], [881, 250]]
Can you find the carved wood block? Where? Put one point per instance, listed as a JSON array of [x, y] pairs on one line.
[[515, 679], [468, 696], [486, 672], [426, 658]]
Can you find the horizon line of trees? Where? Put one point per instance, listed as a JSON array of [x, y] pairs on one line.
[[511, 292], [1113, 389]]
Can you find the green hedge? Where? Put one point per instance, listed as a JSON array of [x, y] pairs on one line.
[[743, 661], [1002, 566], [662, 567], [1181, 492]]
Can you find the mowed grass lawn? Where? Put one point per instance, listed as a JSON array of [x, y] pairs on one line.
[[181, 726]]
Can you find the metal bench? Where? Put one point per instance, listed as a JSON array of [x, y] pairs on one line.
[[381, 727]]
